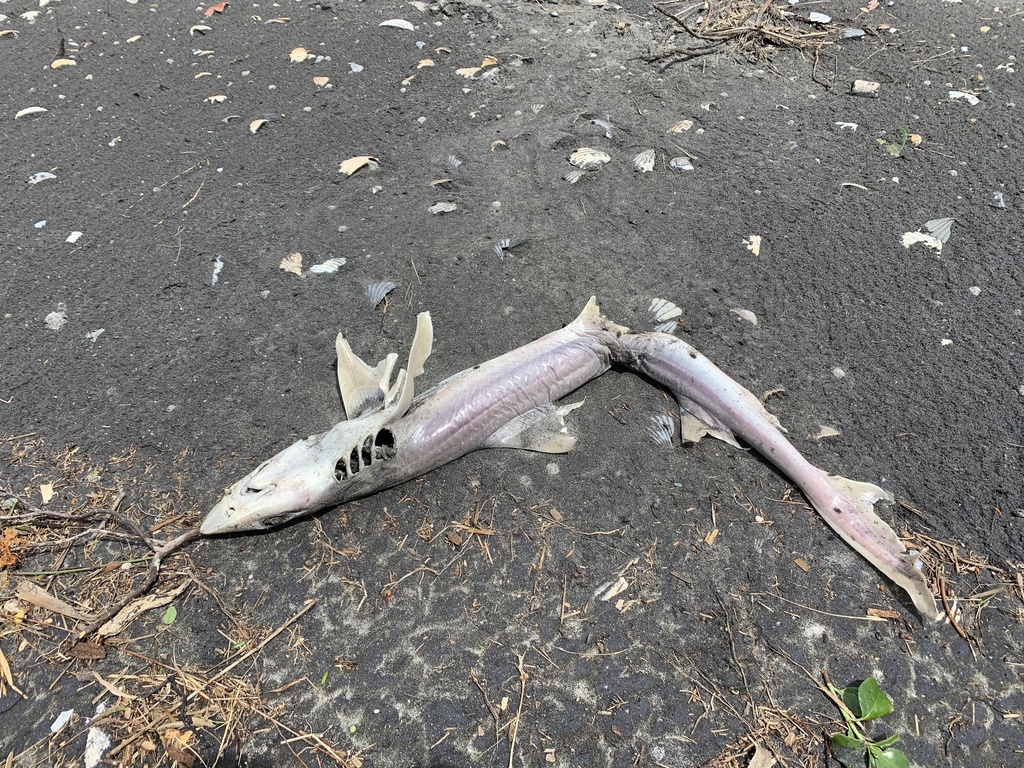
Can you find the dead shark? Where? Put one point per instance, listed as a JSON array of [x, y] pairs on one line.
[[392, 435]]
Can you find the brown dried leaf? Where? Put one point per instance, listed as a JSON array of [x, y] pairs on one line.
[[176, 744]]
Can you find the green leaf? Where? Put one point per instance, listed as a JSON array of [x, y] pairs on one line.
[[323, 681], [891, 758], [887, 742], [873, 701], [846, 742], [170, 614], [849, 697]]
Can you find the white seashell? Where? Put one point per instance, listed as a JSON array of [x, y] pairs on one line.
[[35, 178], [644, 162], [573, 176], [328, 267], [681, 164], [589, 159], [940, 228], [662, 310], [442, 208]]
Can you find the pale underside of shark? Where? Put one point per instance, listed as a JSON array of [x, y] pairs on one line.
[[392, 435]]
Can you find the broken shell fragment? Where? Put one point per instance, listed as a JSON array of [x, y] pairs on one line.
[[35, 178], [353, 164], [589, 159], [680, 164], [502, 247], [256, 124], [746, 314], [443, 207], [824, 432], [299, 55], [467, 72], [30, 111], [574, 175], [377, 292], [58, 63], [644, 162], [865, 88], [321, 81], [683, 125], [398, 24], [753, 243]]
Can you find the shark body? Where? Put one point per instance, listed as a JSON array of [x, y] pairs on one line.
[[392, 436]]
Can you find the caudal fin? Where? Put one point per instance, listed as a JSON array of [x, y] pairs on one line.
[[881, 546]]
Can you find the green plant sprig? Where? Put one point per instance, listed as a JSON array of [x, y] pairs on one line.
[[860, 704]]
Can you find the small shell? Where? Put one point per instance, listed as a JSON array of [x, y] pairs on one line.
[[573, 176], [292, 263], [682, 125], [35, 178], [680, 164], [454, 161], [299, 55], [328, 267], [664, 315], [644, 162], [940, 228], [746, 314], [377, 292], [589, 159], [661, 428], [444, 207]]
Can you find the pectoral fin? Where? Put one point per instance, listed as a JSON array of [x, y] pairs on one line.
[[543, 429]]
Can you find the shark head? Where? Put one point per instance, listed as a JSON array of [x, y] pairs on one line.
[[310, 475], [347, 461]]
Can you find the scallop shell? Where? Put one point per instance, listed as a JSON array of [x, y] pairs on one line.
[[644, 162], [377, 292], [589, 159]]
